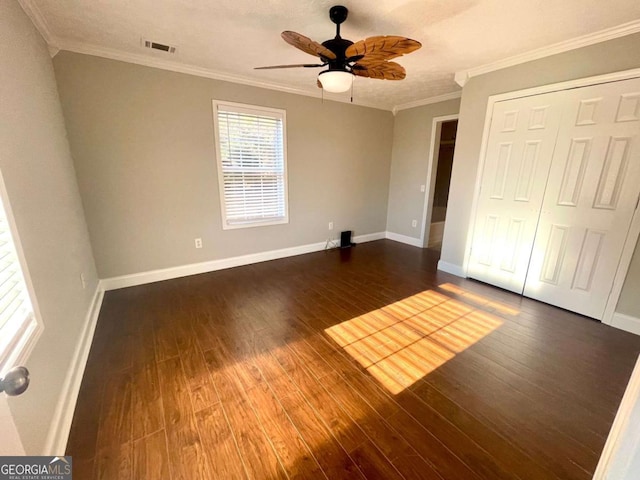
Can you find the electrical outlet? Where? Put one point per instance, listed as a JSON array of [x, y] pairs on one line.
[[198, 243], [83, 281], [414, 223], [423, 188], [330, 225]]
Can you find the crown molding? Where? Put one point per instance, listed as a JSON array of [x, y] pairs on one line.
[[33, 12], [55, 45], [144, 60], [53, 50], [463, 76], [428, 101]]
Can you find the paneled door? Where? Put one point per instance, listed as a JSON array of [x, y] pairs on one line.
[[521, 142], [591, 195]]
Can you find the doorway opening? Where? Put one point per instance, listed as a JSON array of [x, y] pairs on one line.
[[443, 141]]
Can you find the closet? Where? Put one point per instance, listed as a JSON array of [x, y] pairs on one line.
[[559, 188]]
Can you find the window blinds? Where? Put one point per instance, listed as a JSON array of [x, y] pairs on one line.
[[252, 164], [16, 312]]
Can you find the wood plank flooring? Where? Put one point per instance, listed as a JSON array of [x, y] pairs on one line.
[[241, 374]]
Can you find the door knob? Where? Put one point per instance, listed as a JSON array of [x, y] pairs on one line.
[[15, 381]]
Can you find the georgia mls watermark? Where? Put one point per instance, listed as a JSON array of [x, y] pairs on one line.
[[35, 468]]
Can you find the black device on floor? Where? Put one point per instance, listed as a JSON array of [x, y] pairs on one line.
[[345, 239]]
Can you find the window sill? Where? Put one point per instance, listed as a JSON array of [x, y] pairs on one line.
[[259, 223]]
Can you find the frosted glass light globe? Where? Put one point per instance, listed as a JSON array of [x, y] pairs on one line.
[[336, 81]]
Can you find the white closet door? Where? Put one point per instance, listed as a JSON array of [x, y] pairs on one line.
[[590, 198], [519, 150]]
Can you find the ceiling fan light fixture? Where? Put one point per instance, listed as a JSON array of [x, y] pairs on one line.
[[336, 81], [366, 58]]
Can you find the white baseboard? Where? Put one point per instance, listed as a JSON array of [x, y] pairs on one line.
[[58, 435], [369, 237], [456, 270], [626, 322], [141, 278], [414, 242]]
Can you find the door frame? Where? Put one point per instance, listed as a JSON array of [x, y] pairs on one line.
[[623, 442], [634, 230], [434, 150]]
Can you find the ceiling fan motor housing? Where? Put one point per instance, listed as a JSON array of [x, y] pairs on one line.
[[338, 46]]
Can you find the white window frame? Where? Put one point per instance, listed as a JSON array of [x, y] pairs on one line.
[[27, 336], [256, 110]]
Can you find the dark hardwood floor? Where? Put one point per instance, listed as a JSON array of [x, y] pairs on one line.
[[364, 363]]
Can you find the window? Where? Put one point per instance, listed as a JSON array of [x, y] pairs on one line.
[[19, 327], [252, 164]]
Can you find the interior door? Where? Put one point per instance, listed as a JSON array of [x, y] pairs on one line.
[[520, 146], [10, 443], [590, 198]]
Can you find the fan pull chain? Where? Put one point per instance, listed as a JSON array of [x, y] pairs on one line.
[[352, 82]]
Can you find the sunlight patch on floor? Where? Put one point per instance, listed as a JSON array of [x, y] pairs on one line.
[[402, 342]]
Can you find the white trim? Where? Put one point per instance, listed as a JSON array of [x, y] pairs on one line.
[[173, 66], [492, 100], [428, 193], [60, 426], [38, 19], [428, 101], [56, 44], [254, 110], [159, 275], [624, 437], [456, 270], [462, 77], [568, 85], [621, 271], [397, 237], [23, 348], [625, 322], [369, 237], [139, 59]]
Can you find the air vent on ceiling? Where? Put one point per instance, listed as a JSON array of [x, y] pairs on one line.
[[158, 46]]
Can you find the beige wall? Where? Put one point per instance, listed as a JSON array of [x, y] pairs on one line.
[[410, 158], [143, 145], [614, 55], [40, 179]]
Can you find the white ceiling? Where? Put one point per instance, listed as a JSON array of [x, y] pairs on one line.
[[233, 36]]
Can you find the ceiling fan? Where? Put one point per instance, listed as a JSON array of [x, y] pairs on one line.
[[344, 59]]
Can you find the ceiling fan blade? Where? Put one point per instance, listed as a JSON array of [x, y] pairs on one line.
[[380, 70], [382, 47], [304, 65], [307, 45]]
